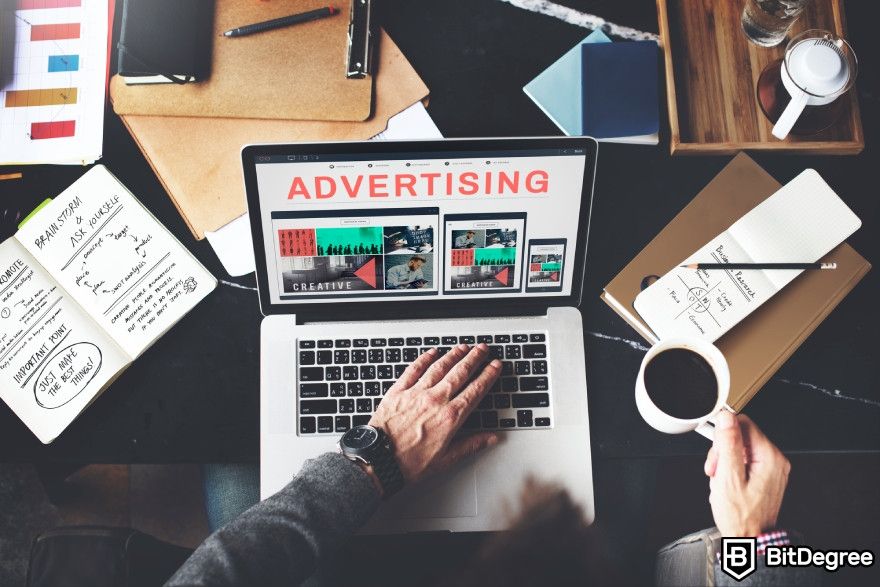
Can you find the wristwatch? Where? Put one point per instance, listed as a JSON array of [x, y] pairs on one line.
[[372, 446]]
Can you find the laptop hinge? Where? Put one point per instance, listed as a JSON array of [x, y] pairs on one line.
[[410, 311]]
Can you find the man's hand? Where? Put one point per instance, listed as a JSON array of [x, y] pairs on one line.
[[747, 477], [429, 403]]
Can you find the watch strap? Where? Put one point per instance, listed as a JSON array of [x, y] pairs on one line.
[[386, 468]]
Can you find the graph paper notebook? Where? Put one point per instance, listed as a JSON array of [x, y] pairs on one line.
[[52, 102], [87, 284]]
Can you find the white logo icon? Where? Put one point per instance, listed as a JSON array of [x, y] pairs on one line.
[[738, 557]]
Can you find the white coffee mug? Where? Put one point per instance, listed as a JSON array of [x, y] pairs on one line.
[[662, 421], [818, 67]]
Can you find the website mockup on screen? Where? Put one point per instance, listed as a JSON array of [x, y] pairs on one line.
[[439, 225]]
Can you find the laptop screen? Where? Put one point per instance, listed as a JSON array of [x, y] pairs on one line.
[[385, 224]]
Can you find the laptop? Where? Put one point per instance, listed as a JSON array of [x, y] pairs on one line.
[[370, 253]]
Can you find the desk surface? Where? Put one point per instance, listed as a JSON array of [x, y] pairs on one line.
[[194, 396]]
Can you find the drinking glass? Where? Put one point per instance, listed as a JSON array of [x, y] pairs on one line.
[[766, 22]]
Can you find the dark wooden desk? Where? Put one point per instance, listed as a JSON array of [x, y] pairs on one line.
[[194, 396]]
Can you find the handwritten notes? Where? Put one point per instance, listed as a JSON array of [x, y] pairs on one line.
[[53, 357], [123, 267], [801, 222], [86, 286]]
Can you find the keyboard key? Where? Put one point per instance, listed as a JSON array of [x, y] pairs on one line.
[[542, 421], [311, 373], [307, 357], [385, 371], [398, 370], [496, 351], [360, 420], [364, 405], [486, 403], [422, 351], [346, 406], [537, 338], [307, 344], [539, 367], [502, 338], [486, 338], [535, 351], [333, 373], [414, 341], [372, 388], [496, 387], [355, 388], [386, 385], [512, 351], [313, 390], [522, 368], [531, 400], [506, 368], [410, 355], [520, 338], [325, 344], [533, 384], [325, 357], [432, 340], [509, 384], [378, 342], [502, 401], [361, 342], [490, 419], [307, 425], [524, 418], [395, 342], [358, 356], [343, 423], [343, 343], [340, 357], [376, 403], [377, 355], [466, 340], [368, 372], [450, 340], [337, 390], [317, 406], [350, 372], [472, 422], [442, 350], [325, 424], [392, 355], [508, 423]]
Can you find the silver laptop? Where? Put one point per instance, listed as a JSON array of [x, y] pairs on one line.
[[370, 253]]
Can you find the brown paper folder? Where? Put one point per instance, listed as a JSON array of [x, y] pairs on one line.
[[756, 347], [292, 73], [198, 159]]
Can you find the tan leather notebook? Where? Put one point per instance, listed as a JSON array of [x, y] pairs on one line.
[[292, 73], [198, 160], [756, 347]]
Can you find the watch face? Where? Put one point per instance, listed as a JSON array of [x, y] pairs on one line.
[[360, 437]]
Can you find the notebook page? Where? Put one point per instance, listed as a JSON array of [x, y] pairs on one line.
[[800, 223], [116, 260], [54, 359]]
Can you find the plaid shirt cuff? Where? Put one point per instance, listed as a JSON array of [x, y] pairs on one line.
[[772, 538]]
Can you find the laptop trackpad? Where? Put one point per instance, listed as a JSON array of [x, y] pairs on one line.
[[451, 494]]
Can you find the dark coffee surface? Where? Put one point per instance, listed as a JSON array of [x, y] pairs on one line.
[[681, 383]]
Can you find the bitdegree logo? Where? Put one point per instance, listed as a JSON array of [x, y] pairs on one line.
[[804, 556]]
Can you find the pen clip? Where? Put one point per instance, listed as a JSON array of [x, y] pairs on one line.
[[360, 40]]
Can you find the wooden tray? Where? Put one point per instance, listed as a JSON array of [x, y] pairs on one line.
[[711, 74]]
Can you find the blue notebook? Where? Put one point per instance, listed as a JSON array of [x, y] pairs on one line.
[[619, 89]]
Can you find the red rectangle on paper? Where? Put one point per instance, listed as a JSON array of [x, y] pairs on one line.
[[37, 4], [535, 267], [53, 130], [297, 242], [55, 32], [462, 257]]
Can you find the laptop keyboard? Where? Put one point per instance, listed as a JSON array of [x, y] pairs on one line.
[[342, 381]]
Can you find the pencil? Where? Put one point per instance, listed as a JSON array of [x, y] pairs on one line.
[[284, 21], [803, 266]]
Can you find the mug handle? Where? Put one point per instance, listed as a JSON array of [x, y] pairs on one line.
[[790, 115], [707, 428]]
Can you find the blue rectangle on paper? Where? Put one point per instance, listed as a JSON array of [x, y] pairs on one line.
[[63, 63]]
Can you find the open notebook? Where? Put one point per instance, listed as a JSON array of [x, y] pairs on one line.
[[801, 222], [87, 284]]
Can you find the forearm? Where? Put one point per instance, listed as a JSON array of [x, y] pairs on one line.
[[278, 541]]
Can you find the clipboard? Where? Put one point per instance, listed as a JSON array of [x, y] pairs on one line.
[[293, 73]]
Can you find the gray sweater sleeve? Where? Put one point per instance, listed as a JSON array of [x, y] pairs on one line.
[[279, 540]]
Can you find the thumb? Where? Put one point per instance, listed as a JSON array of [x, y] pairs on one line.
[[465, 447], [729, 447]]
